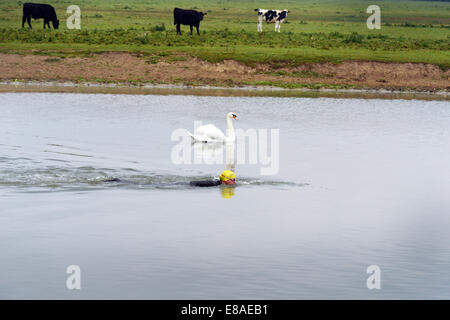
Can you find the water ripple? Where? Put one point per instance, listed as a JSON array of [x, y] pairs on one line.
[[53, 178]]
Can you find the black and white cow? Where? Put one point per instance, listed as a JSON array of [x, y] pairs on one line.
[[39, 11], [191, 18], [271, 16]]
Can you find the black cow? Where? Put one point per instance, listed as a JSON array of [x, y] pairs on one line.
[[39, 11], [191, 18]]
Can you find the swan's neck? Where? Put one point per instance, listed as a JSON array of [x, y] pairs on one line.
[[231, 134], [230, 162]]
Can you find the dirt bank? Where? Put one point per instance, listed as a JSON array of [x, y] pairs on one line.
[[182, 69]]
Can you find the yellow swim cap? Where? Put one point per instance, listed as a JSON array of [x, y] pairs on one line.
[[227, 175]]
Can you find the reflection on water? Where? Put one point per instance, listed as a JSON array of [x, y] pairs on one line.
[[88, 180], [227, 191], [215, 153]]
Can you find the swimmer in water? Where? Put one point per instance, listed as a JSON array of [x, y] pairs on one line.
[[227, 177]]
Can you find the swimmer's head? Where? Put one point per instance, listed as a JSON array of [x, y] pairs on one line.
[[228, 177]]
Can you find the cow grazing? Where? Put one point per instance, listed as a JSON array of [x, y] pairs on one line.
[[271, 16], [190, 18], [39, 11]]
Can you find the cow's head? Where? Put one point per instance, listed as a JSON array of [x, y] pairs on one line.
[[260, 11], [55, 23], [201, 14]]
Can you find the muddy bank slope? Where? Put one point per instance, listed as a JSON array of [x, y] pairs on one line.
[[137, 68]]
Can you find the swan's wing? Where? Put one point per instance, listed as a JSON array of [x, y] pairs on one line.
[[210, 131], [199, 138]]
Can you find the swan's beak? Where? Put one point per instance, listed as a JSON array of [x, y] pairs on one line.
[[235, 117]]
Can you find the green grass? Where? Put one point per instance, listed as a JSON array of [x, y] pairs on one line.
[[315, 31]]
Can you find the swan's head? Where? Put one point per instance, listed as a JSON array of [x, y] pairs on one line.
[[232, 115]]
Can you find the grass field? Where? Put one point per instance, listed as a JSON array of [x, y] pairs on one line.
[[315, 31]]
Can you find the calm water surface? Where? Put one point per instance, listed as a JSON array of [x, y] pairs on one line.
[[361, 182]]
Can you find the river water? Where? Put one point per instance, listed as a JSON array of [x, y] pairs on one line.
[[359, 183]]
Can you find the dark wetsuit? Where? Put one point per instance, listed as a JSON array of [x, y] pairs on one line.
[[200, 183], [205, 183]]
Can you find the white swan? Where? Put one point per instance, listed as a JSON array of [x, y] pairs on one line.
[[210, 133]]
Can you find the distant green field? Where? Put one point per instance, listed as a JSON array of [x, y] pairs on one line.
[[316, 30]]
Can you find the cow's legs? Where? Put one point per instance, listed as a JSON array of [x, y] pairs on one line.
[[23, 21], [178, 29], [191, 28], [29, 22], [47, 23], [260, 26], [198, 31]]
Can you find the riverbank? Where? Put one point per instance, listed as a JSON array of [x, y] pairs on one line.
[[239, 91], [122, 71]]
